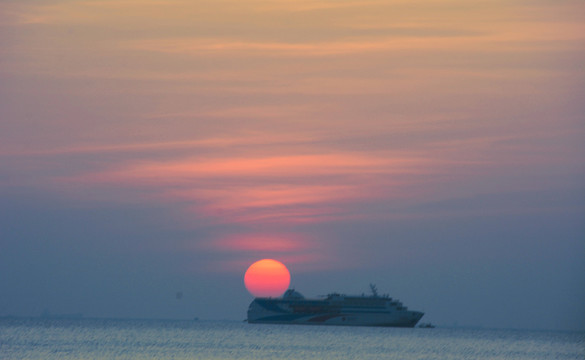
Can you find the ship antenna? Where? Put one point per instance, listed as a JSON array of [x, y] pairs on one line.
[[374, 290]]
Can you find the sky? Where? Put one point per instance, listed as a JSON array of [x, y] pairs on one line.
[[150, 151]]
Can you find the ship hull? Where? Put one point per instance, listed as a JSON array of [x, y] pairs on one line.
[[273, 311]]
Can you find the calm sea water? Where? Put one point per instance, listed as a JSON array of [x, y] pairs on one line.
[[157, 339]]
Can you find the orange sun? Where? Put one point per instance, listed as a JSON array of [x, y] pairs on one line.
[[267, 278]]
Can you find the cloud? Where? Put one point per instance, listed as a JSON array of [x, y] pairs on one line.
[[278, 243], [358, 45], [285, 188]]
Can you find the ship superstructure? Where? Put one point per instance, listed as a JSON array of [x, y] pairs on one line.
[[334, 309]]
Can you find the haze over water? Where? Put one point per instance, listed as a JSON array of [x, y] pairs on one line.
[[155, 148], [159, 339]]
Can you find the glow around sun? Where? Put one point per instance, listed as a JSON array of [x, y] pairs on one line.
[[267, 278]]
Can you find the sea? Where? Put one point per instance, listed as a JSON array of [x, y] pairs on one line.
[[83, 338]]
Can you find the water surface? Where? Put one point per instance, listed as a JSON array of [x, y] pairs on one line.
[[165, 339]]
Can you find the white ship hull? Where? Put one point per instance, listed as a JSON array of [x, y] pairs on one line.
[[335, 310]]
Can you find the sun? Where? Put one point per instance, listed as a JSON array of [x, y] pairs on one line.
[[267, 278]]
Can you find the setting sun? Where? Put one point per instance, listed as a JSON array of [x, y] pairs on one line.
[[267, 278]]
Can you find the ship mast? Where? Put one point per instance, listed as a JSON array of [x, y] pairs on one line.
[[374, 290]]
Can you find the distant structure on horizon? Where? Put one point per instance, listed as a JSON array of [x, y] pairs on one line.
[[334, 309]]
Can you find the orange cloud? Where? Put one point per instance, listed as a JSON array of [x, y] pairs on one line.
[[305, 262], [266, 195], [200, 46], [260, 242], [285, 166], [289, 188], [250, 138]]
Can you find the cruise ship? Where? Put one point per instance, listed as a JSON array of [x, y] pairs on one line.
[[334, 309]]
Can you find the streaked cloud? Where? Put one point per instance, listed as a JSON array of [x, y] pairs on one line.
[[299, 188]]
